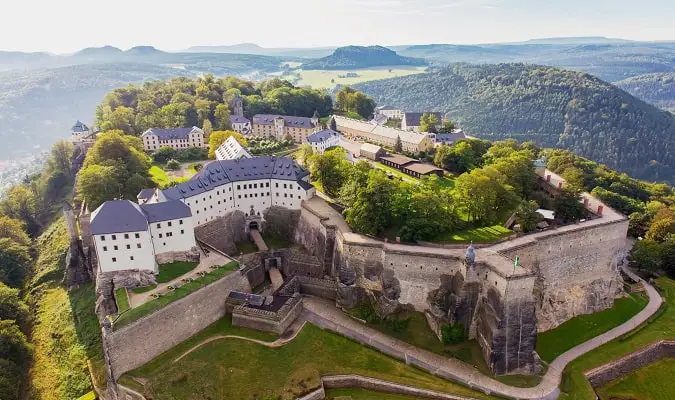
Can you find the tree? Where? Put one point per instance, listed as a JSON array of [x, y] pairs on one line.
[[348, 100], [398, 145], [519, 172], [222, 117], [164, 154], [527, 216], [305, 153], [10, 380], [428, 123], [219, 137], [668, 256], [484, 195], [638, 223], [567, 206], [14, 262], [13, 229], [11, 305], [574, 177], [60, 157], [645, 254], [207, 127], [428, 212], [447, 127], [173, 165], [13, 344], [661, 229], [371, 212], [330, 169], [98, 183], [458, 158], [20, 203]]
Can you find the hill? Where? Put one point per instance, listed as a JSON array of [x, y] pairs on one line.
[[550, 106], [355, 57], [252, 48], [658, 89]]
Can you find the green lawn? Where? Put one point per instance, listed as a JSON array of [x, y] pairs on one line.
[[275, 242], [551, 344], [143, 289], [361, 394], [652, 382], [158, 175], [122, 299], [576, 387], [158, 303], [420, 335], [235, 369], [486, 234], [246, 247], [171, 271]]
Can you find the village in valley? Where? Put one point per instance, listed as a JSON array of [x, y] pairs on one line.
[[373, 228]]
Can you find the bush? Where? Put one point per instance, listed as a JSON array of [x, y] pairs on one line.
[[173, 165], [367, 313], [397, 324], [452, 333]]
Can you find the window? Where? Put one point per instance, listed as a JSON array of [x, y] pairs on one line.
[[284, 186], [131, 258], [240, 196], [114, 259], [128, 247], [126, 236], [159, 225], [114, 237], [255, 186], [267, 184], [169, 223], [137, 236], [180, 222], [285, 195], [160, 235], [105, 248], [182, 231], [115, 247], [276, 184], [103, 238], [138, 245]]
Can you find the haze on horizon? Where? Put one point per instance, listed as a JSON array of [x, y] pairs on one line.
[[70, 25]]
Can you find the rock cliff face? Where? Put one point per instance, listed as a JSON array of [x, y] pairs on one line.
[[222, 233], [454, 301], [558, 304]]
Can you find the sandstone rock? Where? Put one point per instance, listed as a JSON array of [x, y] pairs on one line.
[[391, 285]]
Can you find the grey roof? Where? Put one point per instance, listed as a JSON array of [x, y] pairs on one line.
[[422, 169], [413, 118], [238, 119], [370, 148], [399, 159], [221, 172], [145, 194], [450, 137], [80, 127], [386, 108], [166, 210], [305, 185], [321, 136], [117, 216], [247, 297], [268, 119], [169, 134]]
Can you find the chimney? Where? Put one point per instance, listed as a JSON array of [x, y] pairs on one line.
[[548, 178], [600, 208]]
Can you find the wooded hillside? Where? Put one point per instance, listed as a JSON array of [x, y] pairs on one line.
[[549, 106], [658, 89]]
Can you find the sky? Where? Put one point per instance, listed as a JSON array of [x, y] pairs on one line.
[[69, 25]]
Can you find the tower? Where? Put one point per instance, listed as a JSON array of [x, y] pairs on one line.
[[315, 119], [237, 105]]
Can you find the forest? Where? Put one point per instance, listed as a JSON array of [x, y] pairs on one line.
[[356, 57], [552, 107], [657, 88], [182, 102]]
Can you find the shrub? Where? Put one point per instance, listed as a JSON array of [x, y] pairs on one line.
[[452, 333], [367, 313], [173, 165]]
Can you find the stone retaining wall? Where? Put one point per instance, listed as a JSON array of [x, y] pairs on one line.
[[268, 321], [173, 256], [138, 343], [362, 382], [618, 368]]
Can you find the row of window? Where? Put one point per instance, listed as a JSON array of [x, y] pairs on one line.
[[180, 222], [138, 246], [126, 236]]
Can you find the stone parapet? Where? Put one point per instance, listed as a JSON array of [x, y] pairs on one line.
[[265, 320]]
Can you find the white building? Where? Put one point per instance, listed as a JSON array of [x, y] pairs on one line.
[[324, 139], [411, 120], [231, 149], [250, 185], [240, 124], [81, 133], [447, 138], [176, 138], [389, 112], [383, 135], [128, 236]]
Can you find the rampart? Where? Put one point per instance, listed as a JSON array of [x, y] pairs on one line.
[[136, 344], [268, 320]]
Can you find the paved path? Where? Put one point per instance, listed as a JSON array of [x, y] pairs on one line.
[[327, 316], [276, 278], [258, 240]]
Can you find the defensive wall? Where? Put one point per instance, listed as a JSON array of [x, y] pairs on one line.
[[269, 320], [134, 345]]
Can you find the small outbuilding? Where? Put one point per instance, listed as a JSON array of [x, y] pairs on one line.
[[371, 151], [419, 170], [397, 161]]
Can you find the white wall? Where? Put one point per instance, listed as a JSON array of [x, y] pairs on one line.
[[209, 205], [173, 235], [123, 252]]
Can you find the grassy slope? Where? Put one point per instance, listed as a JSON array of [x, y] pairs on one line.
[[361, 394], [122, 299], [652, 382], [66, 332], [551, 344], [576, 387], [158, 175], [158, 303], [229, 368]]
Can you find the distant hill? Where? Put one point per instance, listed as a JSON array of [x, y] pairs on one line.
[[550, 106], [658, 89], [354, 57], [576, 40], [252, 48]]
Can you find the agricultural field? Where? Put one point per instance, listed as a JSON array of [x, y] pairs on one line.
[[328, 79]]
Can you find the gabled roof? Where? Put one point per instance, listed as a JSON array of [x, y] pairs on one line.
[[166, 211], [220, 172], [322, 136], [370, 148], [413, 118], [145, 194], [80, 127], [399, 159], [118, 216], [445, 137], [379, 130], [305, 185], [422, 168], [169, 134], [268, 119], [231, 149], [238, 119]]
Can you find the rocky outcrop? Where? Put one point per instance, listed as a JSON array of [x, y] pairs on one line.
[[224, 232], [455, 300], [77, 267], [280, 221], [558, 304]]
